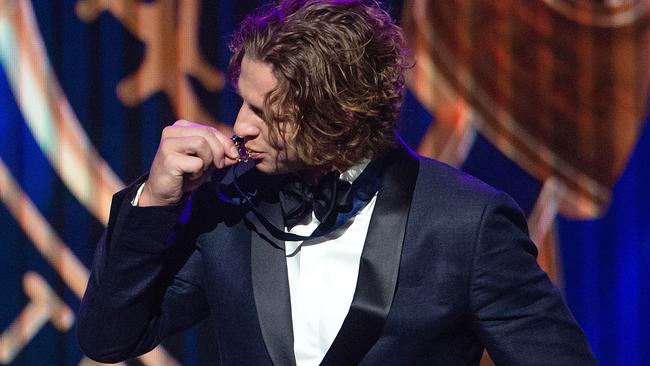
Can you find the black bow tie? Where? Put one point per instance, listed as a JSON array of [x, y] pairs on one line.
[[326, 199]]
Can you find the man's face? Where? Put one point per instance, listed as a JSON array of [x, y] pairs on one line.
[[256, 80]]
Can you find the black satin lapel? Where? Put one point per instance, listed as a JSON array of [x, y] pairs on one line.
[[271, 288], [273, 214], [379, 264]]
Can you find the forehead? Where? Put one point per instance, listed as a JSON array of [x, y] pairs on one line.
[[256, 80]]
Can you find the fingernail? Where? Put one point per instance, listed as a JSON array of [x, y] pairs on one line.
[[234, 151]]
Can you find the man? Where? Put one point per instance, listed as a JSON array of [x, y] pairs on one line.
[[333, 245]]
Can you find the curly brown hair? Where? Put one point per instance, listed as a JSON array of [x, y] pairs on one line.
[[339, 66]]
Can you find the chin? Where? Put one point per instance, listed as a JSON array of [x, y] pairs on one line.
[[272, 169], [267, 168]]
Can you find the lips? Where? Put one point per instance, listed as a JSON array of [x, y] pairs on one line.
[[256, 155]]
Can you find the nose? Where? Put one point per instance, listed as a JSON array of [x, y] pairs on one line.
[[245, 124]]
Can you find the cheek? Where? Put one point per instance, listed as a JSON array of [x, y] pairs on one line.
[[292, 154]]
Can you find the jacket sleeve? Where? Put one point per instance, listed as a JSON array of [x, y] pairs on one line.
[[518, 314], [145, 282]]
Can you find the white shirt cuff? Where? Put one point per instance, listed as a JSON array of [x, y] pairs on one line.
[[136, 199]]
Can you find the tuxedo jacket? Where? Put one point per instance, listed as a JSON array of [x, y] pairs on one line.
[[447, 269]]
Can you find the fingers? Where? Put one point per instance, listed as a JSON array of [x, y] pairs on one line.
[[166, 189], [186, 155], [222, 147]]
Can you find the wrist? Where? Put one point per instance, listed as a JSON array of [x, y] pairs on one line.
[[147, 198]]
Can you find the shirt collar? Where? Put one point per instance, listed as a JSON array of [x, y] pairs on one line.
[[354, 172]]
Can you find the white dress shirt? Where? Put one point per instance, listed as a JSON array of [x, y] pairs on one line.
[[322, 278]]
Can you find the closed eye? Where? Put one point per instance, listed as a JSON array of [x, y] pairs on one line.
[[258, 112]]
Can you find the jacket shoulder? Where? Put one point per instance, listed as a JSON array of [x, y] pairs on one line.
[[436, 176]]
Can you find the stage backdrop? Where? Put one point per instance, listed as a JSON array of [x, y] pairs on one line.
[[544, 99]]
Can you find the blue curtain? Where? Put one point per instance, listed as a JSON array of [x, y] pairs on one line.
[[607, 268]]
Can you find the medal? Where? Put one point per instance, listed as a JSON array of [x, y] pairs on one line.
[[244, 154]]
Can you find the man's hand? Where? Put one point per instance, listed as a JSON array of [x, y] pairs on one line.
[[187, 154]]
